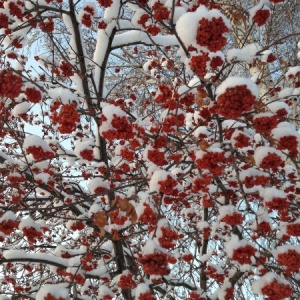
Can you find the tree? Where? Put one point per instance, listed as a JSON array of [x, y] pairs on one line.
[[149, 150]]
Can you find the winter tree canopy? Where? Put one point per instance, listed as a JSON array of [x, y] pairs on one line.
[[149, 149]]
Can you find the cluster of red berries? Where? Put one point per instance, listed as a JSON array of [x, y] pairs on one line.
[[47, 25], [123, 129], [289, 143], [278, 203], [234, 219], [66, 69], [8, 226], [157, 157], [3, 20], [210, 33], [16, 8], [10, 84], [234, 102], [87, 154], [67, 118], [87, 16], [265, 124], [32, 234], [241, 140], [148, 216], [214, 274], [251, 181], [276, 290], [160, 12], [171, 122], [126, 281], [155, 264], [117, 218], [293, 229], [33, 95], [272, 161], [39, 153], [261, 17], [212, 161], [198, 64], [168, 238], [127, 154], [290, 259], [146, 296], [49, 296], [167, 186], [243, 254], [105, 3]]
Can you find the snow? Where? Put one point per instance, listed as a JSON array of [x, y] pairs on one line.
[[266, 279], [8, 215], [150, 247], [253, 10], [285, 249], [201, 130], [136, 36], [142, 288], [96, 183], [246, 54], [105, 291], [109, 111], [263, 151], [65, 95], [22, 255], [284, 131], [188, 23], [21, 108], [34, 140], [275, 106], [27, 223], [234, 243], [292, 71], [87, 144], [222, 290], [56, 290], [231, 82], [226, 210], [252, 172], [270, 193]]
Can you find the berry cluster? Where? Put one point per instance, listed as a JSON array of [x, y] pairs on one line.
[[243, 254], [155, 264], [32, 234], [290, 259], [39, 153], [126, 281], [168, 238], [235, 101], [210, 33], [276, 290], [8, 226], [264, 124], [261, 17], [105, 3], [33, 95], [234, 219], [10, 84], [212, 161]]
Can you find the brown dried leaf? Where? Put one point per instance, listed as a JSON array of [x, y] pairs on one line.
[[251, 160], [199, 101], [126, 206], [203, 145], [102, 232], [100, 219], [116, 236]]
